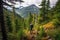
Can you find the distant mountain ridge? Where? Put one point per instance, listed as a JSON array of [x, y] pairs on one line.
[[23, 11], [29, 9]]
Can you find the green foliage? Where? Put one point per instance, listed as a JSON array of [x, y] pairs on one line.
[[56, 23], [57, 7], [8, 20], [16, 24], [9, 23], [56, 11], [55, 33], [41, 33], [44, 10], [30, 18], [20, 34]]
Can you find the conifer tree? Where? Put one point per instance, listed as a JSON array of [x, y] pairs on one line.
[[29, 20], [56, 11], [47, 6], [57, 6], [44, 10], [47, 9], [17, 25], [8, 23]]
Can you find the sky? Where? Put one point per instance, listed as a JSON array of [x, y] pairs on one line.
[[37, 2]]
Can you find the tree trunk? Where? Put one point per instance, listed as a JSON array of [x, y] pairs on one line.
[[3, 29]]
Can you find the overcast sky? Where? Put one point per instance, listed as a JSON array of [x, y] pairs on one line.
[[37, 2]]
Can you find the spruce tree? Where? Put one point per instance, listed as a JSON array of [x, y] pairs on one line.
[[44, 10], [57, 6], [47, 9], [30, 18], [47, 6], [56, 11], [17, 25], [8, 23]]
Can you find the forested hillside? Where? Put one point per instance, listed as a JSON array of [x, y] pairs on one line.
[[46, 25]]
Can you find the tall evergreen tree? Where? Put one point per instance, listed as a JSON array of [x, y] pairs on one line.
[[56, 11], [30, 18], [8, 23], [57, 6], [47, 9], [44, 10], [17, 25], [47, 6]]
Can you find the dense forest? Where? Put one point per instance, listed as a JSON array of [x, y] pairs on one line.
[[46, 25]]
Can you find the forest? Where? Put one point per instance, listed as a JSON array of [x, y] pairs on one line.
[[46, 25]]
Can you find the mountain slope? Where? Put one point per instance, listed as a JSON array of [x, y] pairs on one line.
[[25, 10]]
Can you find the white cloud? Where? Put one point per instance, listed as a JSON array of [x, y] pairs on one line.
[[53, 2], [32, 1], [37, 2]]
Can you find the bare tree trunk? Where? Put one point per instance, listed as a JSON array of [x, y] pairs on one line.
[[3, 29]]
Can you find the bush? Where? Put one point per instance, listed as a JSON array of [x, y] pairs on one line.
[[41, 33], [55, 34]]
